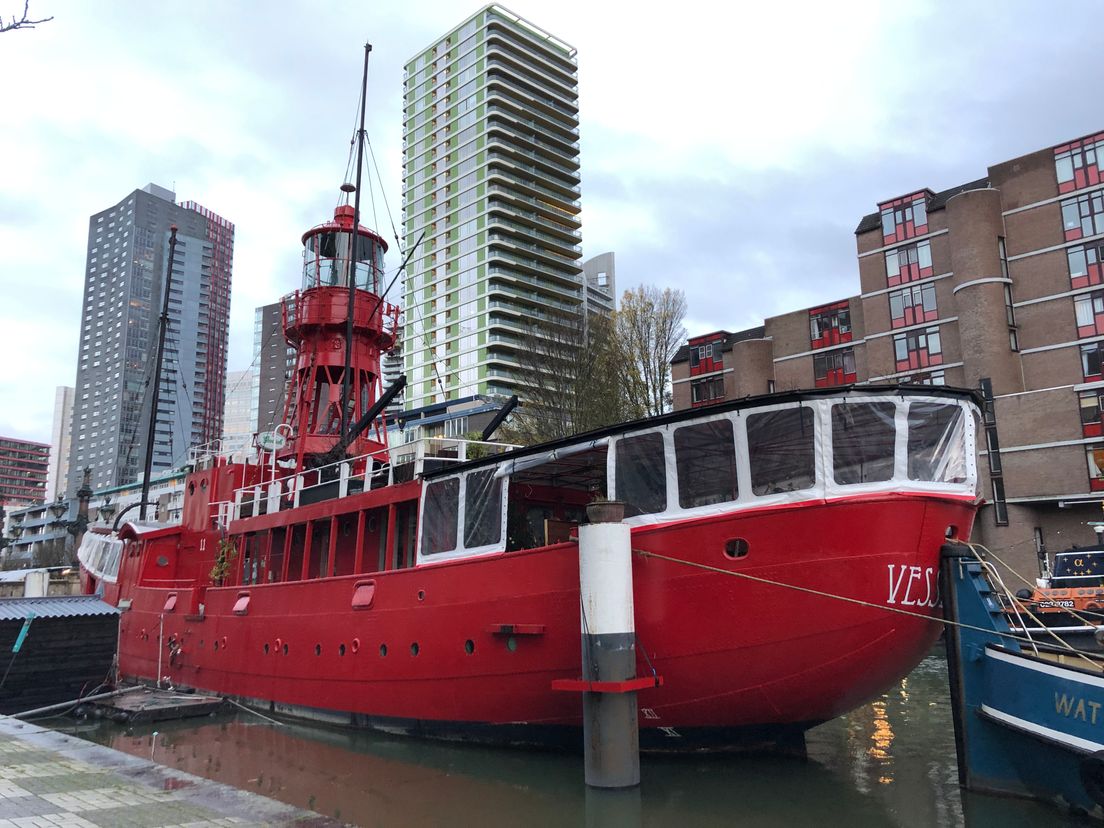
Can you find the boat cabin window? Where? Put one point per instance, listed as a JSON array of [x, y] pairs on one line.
[[641, 481], [549, 494], [936, 443], [705, 457], [482, 509], [780, 450], [439, 516], [863, 438]]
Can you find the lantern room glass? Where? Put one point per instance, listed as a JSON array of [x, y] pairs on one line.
[[326, 261]]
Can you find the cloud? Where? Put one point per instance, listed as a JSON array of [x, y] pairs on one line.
[[727, 150]]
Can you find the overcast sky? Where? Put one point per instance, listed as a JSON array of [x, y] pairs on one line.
[[729, 153]]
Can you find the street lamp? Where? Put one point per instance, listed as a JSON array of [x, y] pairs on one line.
[[107, 510]]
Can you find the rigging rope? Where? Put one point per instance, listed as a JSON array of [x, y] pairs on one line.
[[857, 601]]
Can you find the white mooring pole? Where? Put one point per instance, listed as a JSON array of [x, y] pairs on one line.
[[610, 731]]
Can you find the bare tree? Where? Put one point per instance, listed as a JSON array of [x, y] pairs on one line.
[[24, 22], [649, 332], [577, 383]]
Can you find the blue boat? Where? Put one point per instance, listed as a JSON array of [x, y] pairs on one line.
[[1028, 717]]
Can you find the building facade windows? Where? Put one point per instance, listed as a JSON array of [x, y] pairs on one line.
[[912, 305], [830, 325], [1091, 403], [1089, 311], [1095, 456], [924, 378], [1091, 357], [1080, 163], [904, 217], [909, 263], [1083, 216], [706, 357], [834, 368], [917, 349], [706, 391], [1085, 265]]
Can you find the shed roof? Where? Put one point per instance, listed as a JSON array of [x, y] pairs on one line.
[[61, 606]]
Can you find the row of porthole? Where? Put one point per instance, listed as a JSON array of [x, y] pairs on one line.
[[281, 647]]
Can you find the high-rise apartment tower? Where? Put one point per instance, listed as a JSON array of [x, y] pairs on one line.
[[491, 178], [128, 247]]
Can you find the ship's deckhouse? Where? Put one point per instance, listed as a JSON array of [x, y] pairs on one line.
[[806, 448]]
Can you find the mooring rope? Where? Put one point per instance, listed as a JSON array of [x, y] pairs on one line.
[[857, 601]]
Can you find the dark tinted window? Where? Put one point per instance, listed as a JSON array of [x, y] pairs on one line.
[[780, 450], [641, 479], [440, 512], [705, 457], [862, 442], [482, 509]]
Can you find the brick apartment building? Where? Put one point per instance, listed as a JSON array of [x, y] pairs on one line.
[[23, 471], [994, 284]]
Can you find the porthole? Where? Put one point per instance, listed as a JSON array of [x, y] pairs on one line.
[[469, 646], [341, 649], [216, 645], [511, 644], [421, 594], [285, 649], [383, 650], [266, 648], [318, 649], [736, 548], [414, 648]]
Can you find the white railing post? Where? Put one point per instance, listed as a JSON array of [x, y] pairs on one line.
[[343, 479], [298, 481], [237, 504], [274, 497]]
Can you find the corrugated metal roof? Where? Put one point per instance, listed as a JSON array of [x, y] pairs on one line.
[[61, 606], [13, 575]]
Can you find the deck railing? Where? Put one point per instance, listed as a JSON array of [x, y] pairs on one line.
[[376, 470]]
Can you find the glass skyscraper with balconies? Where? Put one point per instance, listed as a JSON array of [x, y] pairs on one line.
[[491, 178]]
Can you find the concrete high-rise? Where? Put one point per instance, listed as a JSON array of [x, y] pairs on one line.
[[124, 282], [237, 424], [273, 362], [57, 477], [491, 178], [600, 273]]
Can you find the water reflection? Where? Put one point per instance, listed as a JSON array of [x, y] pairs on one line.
[[890, 763]]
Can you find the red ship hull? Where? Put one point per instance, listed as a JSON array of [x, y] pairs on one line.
[[470, 648]]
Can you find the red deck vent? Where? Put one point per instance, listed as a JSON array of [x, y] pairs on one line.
[[170, 602]]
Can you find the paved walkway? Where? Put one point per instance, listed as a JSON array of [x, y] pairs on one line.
[[48, 779]]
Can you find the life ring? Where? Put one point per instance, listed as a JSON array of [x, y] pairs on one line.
[[1092, 776]]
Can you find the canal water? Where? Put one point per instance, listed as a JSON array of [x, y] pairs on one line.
[[890, 763]]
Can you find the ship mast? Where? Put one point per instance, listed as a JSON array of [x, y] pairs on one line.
[[151, 433], [354, 241]]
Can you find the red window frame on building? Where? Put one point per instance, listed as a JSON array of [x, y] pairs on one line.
[[918, 349], [706, 355], [1085, 264], [1080, 163], [1092, 355], [1088, 311], [830, 325], [912, 305], [1095, 457], [1091, 405], [834, 368], [706, 391], [908, 263], [1083, 216], [904, 217]]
